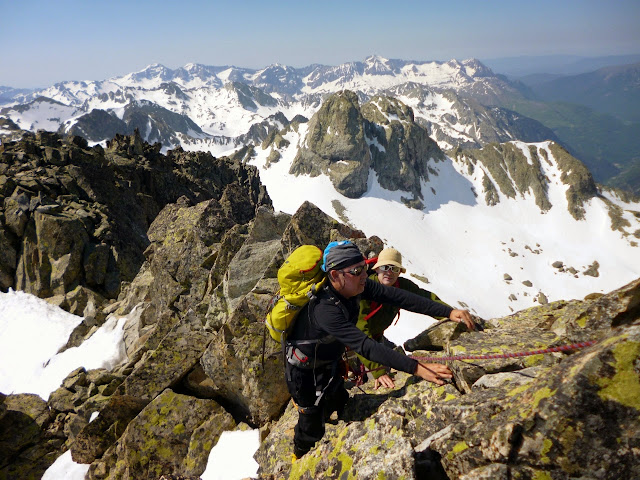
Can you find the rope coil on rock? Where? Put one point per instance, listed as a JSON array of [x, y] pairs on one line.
[[491, 356]]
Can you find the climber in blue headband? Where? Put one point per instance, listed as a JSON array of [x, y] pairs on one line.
[[327, 324]]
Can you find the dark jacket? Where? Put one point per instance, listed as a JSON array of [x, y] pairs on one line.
[[376, 324], [332, 319]]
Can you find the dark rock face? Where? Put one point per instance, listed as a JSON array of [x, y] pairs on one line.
[[77, 216], [345, 140], [403, 149], [336, 145]]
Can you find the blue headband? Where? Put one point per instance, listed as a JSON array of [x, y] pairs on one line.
[[340, 254]]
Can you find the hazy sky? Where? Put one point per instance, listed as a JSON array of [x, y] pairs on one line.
[[47, 41]]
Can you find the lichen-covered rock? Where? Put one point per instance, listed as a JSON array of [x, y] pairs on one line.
[[242, 360], [53, 250], [580, 417], [571, 415], [172, 435], [74, 215], [96, 437], [435, 337], [28, 445]]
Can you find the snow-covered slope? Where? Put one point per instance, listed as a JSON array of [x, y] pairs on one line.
[[466, 249], [492, 259]]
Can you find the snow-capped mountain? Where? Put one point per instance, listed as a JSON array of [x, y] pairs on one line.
[[502, 216], [226, 101]]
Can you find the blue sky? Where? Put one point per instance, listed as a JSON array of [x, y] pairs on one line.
[[46, 41]]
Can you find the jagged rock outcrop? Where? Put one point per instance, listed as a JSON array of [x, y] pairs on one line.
[[242, 361], [77, 216], [199, 360], [402, 148], [512, 172], [336, 145], [195, 327], [344, 140], [559, 415], [171, 435]]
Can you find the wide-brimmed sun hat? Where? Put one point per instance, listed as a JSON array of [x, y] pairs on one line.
[[390, 256]]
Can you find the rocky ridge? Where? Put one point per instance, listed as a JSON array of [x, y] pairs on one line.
[[345, 140], [184, 106], [74, 219], [199, 361]]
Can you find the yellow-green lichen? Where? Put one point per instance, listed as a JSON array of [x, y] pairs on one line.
[[307, 463], [179, 428], [568, 438], [582, 321], [460, 447], [624, 386], [541, 475], [540, 395], [546, 447], [533, 360], [457, 448], [347, 462], [164, 452], [519, 389]]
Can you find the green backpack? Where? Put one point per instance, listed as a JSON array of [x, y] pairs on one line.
[[300, 276]]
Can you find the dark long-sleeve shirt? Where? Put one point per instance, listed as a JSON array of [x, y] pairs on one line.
[[383, 316], [332, 319]]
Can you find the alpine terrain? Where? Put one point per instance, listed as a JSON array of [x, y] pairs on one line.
[[167, 200]]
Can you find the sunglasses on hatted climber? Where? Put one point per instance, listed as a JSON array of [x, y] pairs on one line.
[[386, 268]]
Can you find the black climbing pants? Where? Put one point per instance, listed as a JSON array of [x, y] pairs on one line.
[[317, 393]]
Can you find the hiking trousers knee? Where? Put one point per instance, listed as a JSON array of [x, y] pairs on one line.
[[317, 393]]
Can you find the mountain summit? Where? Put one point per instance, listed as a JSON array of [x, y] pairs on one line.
[[482, 182]]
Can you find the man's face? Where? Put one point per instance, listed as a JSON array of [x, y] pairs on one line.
[[351, 279], [387, 276]]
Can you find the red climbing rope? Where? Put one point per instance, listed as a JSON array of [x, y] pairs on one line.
[[490, 356]]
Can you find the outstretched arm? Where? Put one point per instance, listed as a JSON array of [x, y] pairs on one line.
[[404, 299]]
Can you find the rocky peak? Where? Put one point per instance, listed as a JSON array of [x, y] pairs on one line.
[[376, 65], [99, 203], [335, 145], [344, 140], [154, 71], [250, 97], [476, 69]]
